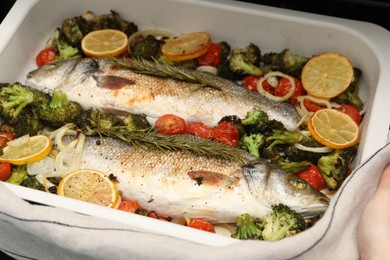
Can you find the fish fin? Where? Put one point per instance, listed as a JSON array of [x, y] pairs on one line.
[[112, 82], [212, 178]]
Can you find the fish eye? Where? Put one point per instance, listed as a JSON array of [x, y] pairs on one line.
[[298, 183]]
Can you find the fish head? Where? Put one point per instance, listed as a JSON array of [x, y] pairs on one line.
[[267, 182], [64, 74]]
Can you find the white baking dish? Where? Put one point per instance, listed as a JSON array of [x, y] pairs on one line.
[[31, 22]]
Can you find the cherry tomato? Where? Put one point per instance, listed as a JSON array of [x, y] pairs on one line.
[[201, 224], [250, 82], [312, 176], [227, 133], [129, 206], [352, 111], [5, 171], [199, 129], [170, 124], [284, 86], [45, 56], [5, 137], [211, 57], [154, 214], [311, 106]]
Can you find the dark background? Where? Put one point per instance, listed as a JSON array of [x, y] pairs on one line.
[[374, 11]]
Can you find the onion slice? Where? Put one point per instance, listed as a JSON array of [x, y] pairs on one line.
[[322, 149], [262, 91]]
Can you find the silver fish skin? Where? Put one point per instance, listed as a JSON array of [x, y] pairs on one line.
[[99, 84], [177, 184]]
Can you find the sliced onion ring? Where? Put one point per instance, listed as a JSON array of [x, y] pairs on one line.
[[322, 149], [42, 166], [262, 91]]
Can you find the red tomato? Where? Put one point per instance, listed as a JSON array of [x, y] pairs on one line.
[[312, 176], [45, 56], [170, 124], [284, 86], [5, 137], [129, 206], [5, 171], [199, 129], [211, 57], [311, 106], [201, 224], [153, 214], [352, 111], [250, 82], [227, 133]]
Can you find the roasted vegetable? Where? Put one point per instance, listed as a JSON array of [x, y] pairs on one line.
[[285, 61]]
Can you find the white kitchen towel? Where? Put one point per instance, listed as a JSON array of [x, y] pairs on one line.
[[30, 231]]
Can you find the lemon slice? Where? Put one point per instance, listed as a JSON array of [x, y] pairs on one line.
[[104, 43], [90, 186], [187, 46], [333, 128], [26, 149], [327, 75]]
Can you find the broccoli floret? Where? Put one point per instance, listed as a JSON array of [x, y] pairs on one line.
[[282, 222], [71, 31], [225, 51], [285, 61], [18, 174], [283, 137], [33, 183], [136, 122], [224, 71], [236, 121], [146, 48], [127, 27], [59, 111], [256, 121], [292, 153], [351, 94], [28, 123], [95, 119], [246, 61], [252, 143], [13, 99], [334, 167], [294, 167], [63, 48], [247, 228]]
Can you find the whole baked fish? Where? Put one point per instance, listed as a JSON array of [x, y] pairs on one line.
[[99, 83], [177, 184]]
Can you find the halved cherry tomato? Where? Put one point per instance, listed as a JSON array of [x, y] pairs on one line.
[[199, 129], [5, 171], [45, 56], [311, 106], [284, 86], [201, 224], [5, 137], [129, 206], [250, 82], [170, 124], [312, 176], [227, 133], [352, 111], [211, 57]]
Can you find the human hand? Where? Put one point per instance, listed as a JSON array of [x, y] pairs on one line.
[[374, 224]]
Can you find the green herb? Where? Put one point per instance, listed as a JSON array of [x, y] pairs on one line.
[[162, 69]]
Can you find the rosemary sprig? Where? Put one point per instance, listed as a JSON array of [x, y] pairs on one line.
[[150, 139], [162, 69]]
